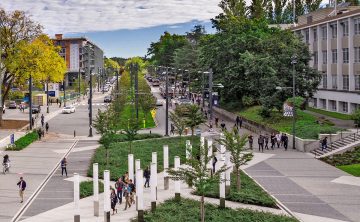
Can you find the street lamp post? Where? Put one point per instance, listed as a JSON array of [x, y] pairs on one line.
[[167, 102], [210, 93], [293, 62], [47, 96], [87, 48], [64, 91], [30, 102], [79, 79]]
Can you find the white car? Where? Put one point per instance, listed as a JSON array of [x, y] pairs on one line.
[[68, 109]]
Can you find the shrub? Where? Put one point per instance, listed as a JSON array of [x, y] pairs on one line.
[[117, 138], [347, 158], [264, 112], [86, 188], [25, 141]]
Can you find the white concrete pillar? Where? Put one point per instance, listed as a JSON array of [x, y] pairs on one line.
[[137, 165], [209, 154], [177, 182], [96, 188], [154, 175], [76, 198], [106, 196], [188, 152], [166, 166], [228, 172], [131, 166], [222, 151], [140, 194], [153, 187], [222, 185]]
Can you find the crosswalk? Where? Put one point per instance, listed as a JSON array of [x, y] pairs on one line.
[[94, 104]]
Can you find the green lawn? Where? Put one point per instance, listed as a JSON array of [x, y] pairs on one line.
[[118, 154], [353, 169], [189, 211], [129, 111], [306, 125], [250, 193], [331, 114]]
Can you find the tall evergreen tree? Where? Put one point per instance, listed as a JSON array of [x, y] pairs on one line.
[[257, 8], [232, 10]]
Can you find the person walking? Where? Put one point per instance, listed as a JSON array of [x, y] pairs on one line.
[[132, 191], [32, 121], [147, 177], [222, 125], [127, 196], [251, 141], [216, 121], [266, 138], [113, 199], [63, 166], [278, 139], [272, 140], [282, 139], [324, 144], [285, 141], [261, 143], [47, 127], [42, 120], [214, 161], [172, 129], [39, 133], [119, 185], [22, 186]]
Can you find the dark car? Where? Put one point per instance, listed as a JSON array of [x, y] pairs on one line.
[[36, 109], [107, 99], [12, 105]]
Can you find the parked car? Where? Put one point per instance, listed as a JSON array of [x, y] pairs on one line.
[[35, 109], [68, 109], [12, 105], [155, 82], [107, 99], [158, 103]]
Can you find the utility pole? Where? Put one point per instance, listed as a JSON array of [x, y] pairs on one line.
[[90, 94], [136, 91], [203, 89], [79, 79], [47, 96], [167, 102], [64, 90], [30, 102], [293, 62], [210, 93]]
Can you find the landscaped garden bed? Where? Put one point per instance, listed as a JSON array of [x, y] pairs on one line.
[[24, 141], [348, 161]]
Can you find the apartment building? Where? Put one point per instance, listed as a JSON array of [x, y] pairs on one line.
[[333, 37], [80, 59]]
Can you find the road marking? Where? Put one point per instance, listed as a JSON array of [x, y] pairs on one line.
[[77, 149], [349, 180]]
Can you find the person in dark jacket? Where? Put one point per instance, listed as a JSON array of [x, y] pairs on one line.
[[261, 143], [324, 144], [22, 186], [63, 166], [119, 185], [113, 199], [147, 177], [285, 141]]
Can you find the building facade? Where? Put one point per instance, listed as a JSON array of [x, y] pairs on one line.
[[333, 37], [81, 56]]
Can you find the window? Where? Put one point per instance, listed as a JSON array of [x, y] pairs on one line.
[[314, 102], [324, 81], [333, 30], [63, 50], [345, 55], [345, 26], [323, 103], [324, 56], [334, 81], [357, 26], [334, 55], [332, 104], [315, 34], [343, 106], [345, 82], [307, 35], [316, 60], [357, 54], [357, 82], [324, 33]]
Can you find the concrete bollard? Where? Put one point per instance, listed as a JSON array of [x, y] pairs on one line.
[[222, 185], [140, 194], [76, 197], [131, 166], [177, 182], [153, 187], [154, 175], [166, 166], [137, 165], [227, 172], [106, 196], [209, 154], [96, 188]]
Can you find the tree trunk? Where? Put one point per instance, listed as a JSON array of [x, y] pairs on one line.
[[202, 209], [192, 131], [238, 180]]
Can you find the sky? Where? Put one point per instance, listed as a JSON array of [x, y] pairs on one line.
[[122, 28]]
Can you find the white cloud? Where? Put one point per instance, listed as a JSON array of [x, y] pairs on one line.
[[72, 16]]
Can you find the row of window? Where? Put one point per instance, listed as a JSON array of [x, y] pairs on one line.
[[334, 57], [343, 106], [345, 82], [333, 26]]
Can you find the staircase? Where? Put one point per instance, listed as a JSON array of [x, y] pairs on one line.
[[337, 145]]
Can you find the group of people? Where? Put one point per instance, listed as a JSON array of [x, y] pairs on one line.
[[124, 187], [21, 183], [279, 140], [44, 127]]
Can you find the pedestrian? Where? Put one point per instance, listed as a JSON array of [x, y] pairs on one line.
[[222, 125], [32, 121], [127, 196], [286, 140], [235, 129], [278, 139], [119, 185], [39, 133], [237, 121], [266, 138], [132, 191], [272, 140], [211, 127], [216, 121], [214, 161], [47, 127], [240, 122], [147, 177], [57, 101], [113, 199], [251, 141], [74, 133], [172, 129], [59, 104], [282, 139], [63, 166], [261, 143], [42, 120], [125, 177], [43, 133], [324, 143], [22, 186]]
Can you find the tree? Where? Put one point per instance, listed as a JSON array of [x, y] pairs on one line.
[[257, 9], [235, 144], [194, 117], [131, 131], [356, 117], [111, 66], [195, 172], [147, 102], [15, 27], [178, 121], [233, 10]]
